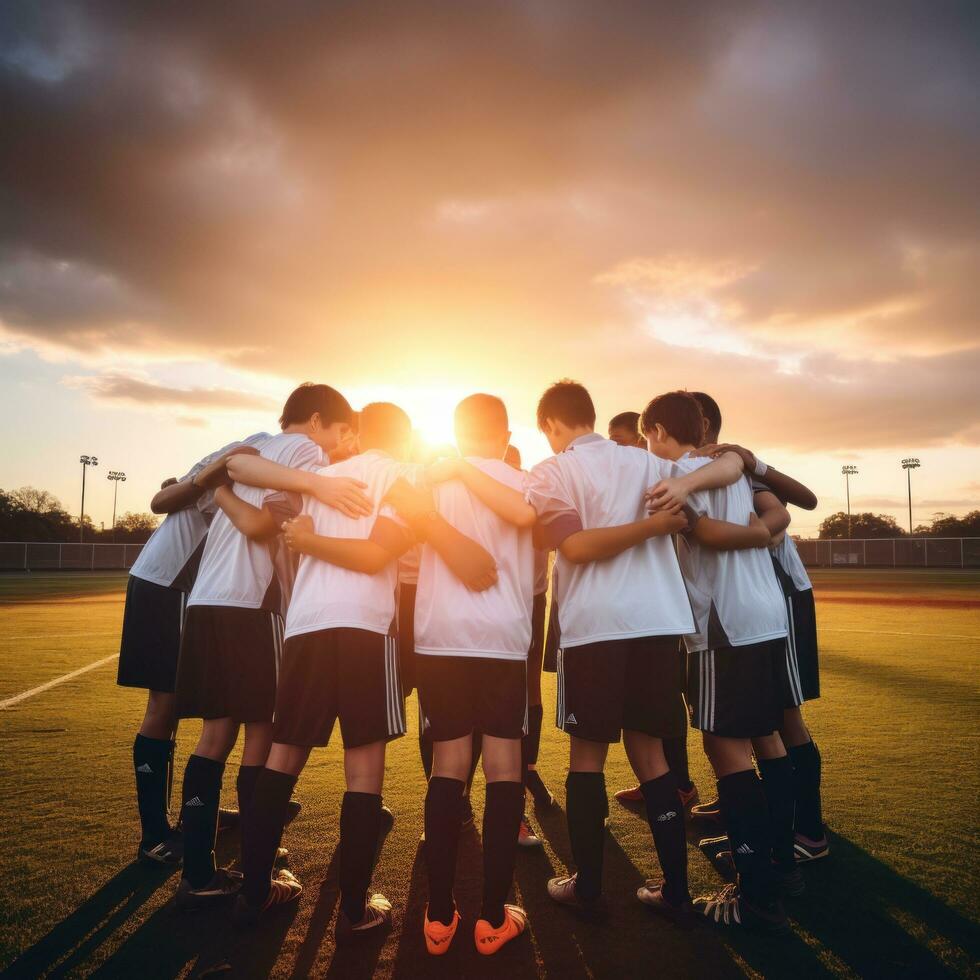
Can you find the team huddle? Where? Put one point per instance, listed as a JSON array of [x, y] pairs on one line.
[[322, 573]]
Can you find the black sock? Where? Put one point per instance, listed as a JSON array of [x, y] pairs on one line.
[[262, 831], [675, 751], [501, 823], [777, 783], [666, 818], [806, 785], [199, 816], [443, 814], [531, 742], [587, 806], [360, 826], [474, 759], [170, 772], [151, 757], [245, 785], [425, 751], [746, 816]]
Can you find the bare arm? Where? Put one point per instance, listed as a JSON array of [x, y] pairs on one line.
[[259, 525], [600, 543], [724, 536], [355, 554], [175, 496], [504, 501], [469, 561], [342, 493], [673, 492], [773, 514], [785, 487]]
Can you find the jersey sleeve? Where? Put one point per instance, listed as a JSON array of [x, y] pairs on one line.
[[284, 505], [558, 517], [392, 534]]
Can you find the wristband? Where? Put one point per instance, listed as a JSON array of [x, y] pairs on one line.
[[760, 468]]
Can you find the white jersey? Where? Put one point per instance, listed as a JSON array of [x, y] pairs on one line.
[[173, 552], [735, 595], [454, 621], [236, 571], [327, 596], [592, 484]]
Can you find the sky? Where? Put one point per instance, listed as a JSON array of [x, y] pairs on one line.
[[774, 202]]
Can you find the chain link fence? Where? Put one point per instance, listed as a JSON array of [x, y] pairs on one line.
[[891, 553], [31, 556]]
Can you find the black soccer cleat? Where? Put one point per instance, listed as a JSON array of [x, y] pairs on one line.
[[710, 811], [167, 853], [375, 922], [810, 850], [652, 895], [223, 886]]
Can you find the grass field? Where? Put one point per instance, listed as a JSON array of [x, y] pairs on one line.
[[897, 726]]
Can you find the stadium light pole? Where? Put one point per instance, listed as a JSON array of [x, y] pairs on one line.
[[908, 465], [848, 471], [86, 462], [117, 477]]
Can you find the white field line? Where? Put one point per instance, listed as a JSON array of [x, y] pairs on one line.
[[938, 636], [24, 695], [58, 636]]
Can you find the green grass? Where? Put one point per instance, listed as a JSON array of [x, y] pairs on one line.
[[897, 727]]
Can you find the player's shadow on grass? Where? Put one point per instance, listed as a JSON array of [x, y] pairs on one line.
[[74, 940]]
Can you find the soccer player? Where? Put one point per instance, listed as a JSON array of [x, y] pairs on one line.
[[472, 652], [233, 634], [340, 662], [159, 582], [624, 430], [622, 607], [773, 490], [734, 665]]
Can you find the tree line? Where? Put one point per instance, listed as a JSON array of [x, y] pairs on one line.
[[868, 525], [29, 514]]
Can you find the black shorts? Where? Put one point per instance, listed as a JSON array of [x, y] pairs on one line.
[[804, 665], [406, 636], [737, 692], [634, 684], [535, 652], [152, 622], [461, 695], [350, 674], [552, 640], [229, 662]]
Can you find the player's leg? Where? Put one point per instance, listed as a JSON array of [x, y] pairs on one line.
[[531, 742], [153, 750], [776, 771]]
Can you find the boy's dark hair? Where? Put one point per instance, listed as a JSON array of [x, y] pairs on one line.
[[630, 421], [568, 402], [481, 417], [382, 425], [680, 415], [711, 411], [308, 399]]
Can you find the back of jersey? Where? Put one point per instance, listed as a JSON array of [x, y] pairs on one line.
[[236, 571], [735, 594], [453, 620], [640, 592], [326, 596]]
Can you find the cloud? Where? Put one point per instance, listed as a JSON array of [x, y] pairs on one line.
[[120, 388], [780, 193]]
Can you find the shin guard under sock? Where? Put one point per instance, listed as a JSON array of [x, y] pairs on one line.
[[443, 815], [199, 817], [360, 827], [262, 831], [587, 806], [151, 758], [777, 784], [501, 823], [666, 818], [806, 786], [746, 815]]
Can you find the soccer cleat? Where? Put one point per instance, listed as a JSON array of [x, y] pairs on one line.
[[706, 811], [562, 890], [790, 881], [631, 795], [652, 895], [376, 920], [169, 852], [542, 796], [489, 939], [810, 850], [526, 836], [223, 885], [438, 936], [731, 908], [283, 889]]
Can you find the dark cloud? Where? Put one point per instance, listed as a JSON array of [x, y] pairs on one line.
[[424, 186], [116, 387]]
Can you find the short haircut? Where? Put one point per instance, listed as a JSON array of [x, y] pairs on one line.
[[382, 425], [680, 415], [308, 399], [569, 403], [710, 410], [481, 417], [630, 421]]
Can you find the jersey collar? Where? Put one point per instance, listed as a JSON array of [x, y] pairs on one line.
[[584, 440]]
